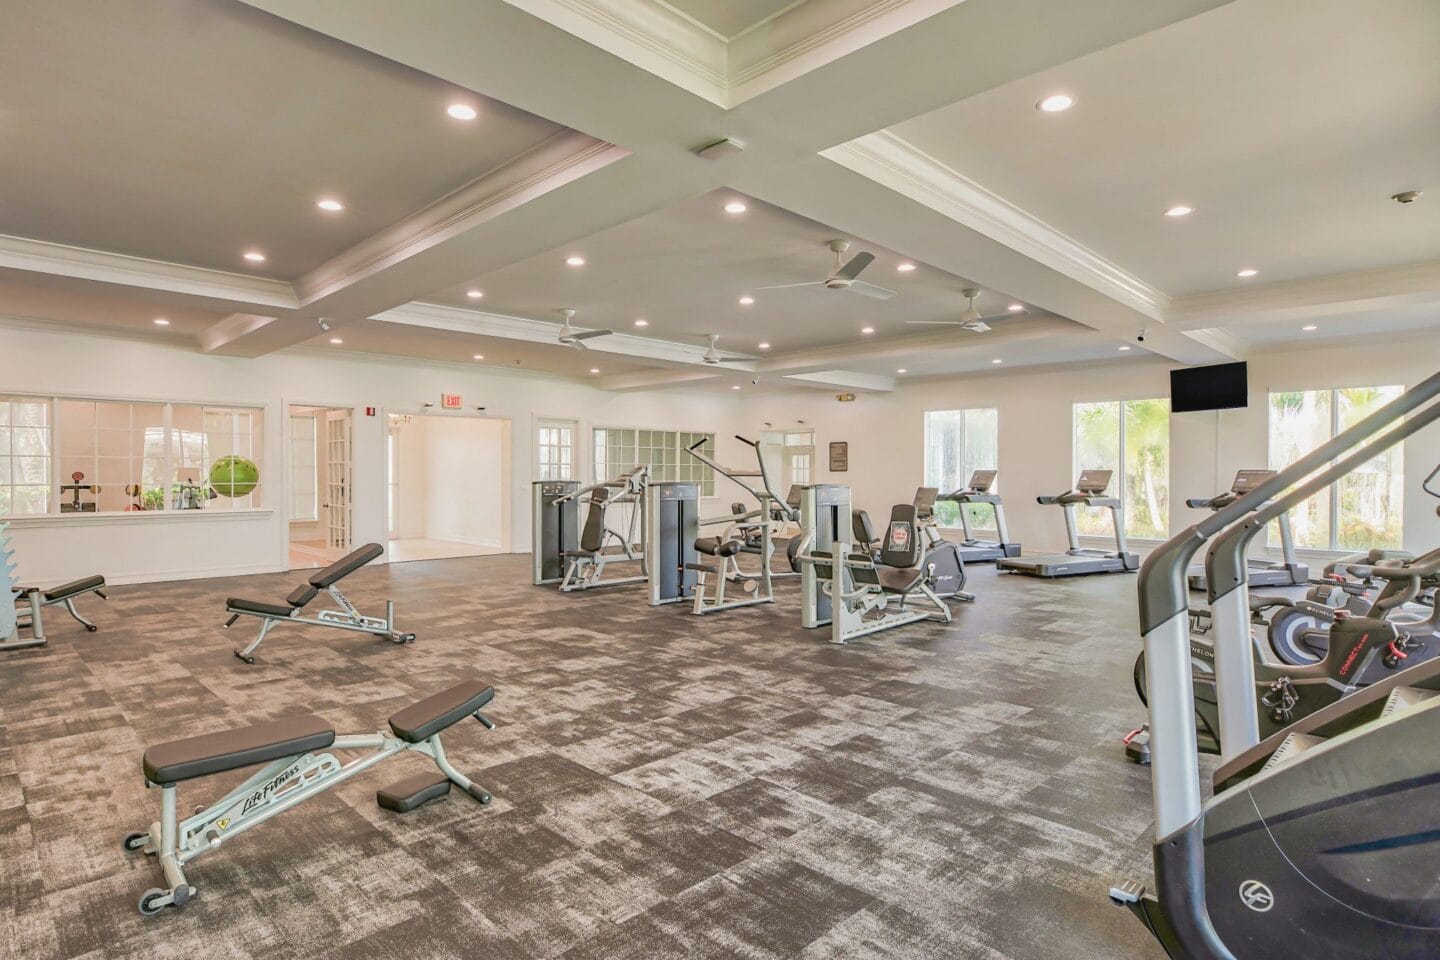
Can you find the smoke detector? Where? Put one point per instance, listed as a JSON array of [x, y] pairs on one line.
[[1409, 196]]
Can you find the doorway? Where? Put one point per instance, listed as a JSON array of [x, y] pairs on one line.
[[321, 465], [447, 487]]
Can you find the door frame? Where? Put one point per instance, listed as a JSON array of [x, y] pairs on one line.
[[286, 444]]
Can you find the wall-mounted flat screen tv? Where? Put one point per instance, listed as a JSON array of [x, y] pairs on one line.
[[1219, 386]]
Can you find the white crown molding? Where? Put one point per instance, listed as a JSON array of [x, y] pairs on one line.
[[100, 266], [560, 160], [899, 165]]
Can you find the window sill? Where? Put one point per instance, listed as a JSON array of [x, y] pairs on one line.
[[133, 516]]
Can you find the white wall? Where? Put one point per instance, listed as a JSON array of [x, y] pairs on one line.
[[886, 431], [146, 547], [452, 474]]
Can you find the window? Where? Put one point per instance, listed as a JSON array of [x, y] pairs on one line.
[[618, 449], [304, 471], [78, 455], [25, 450], [957, 443], [1363, 509], [555, 451], [1132, 439], [798, 458]]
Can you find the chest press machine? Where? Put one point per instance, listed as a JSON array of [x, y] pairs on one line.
[[297, 766], [346, 618], [585, 565]]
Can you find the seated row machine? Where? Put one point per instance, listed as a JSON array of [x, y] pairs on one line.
[[873, 593], [346, 618], [293, 771]]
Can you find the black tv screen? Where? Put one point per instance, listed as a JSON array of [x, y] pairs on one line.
[[1220, 386]]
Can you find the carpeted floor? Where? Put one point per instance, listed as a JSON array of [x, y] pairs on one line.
[[665, 785]]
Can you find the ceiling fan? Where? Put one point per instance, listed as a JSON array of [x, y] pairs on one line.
[[842, 276], [970, 319], [576, 338], [712, 353]]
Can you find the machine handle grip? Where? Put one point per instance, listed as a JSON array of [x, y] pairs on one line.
[[1198, 503]]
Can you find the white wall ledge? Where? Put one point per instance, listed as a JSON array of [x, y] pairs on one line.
[[113, 517]]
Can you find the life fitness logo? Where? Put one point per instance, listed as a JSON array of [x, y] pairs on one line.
[[1257, 896]]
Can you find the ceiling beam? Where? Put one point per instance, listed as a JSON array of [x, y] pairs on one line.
[[1344, 293], [845, 379]]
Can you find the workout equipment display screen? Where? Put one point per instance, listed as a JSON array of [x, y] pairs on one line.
[[1220, 386]]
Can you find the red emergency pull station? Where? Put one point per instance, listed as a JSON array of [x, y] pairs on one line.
[[369, 411]]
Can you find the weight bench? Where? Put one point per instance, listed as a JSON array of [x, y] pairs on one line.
[[346, 618], [297, 766], [30, 601]]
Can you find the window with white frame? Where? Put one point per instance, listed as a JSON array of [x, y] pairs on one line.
[[555, 450], [798, 457], [1363, 509], [618, 449], [1132, 439], [304, 470], [80, 455], [957, 443]]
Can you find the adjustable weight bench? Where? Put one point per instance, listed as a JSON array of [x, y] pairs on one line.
[[346, 618], [297, 766], [30, 601]]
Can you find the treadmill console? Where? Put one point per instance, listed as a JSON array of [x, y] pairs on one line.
[[925, 502], [982, 480], [1247, 480], [1093, 482]]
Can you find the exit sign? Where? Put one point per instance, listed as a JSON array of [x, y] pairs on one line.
[[450, 401]]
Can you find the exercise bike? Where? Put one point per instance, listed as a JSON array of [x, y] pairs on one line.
[[941, 557]]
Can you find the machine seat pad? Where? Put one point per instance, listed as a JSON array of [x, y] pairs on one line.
[[1262, 603], [719, 546], [74, 588], [259, 608], [899, 579], [201, 756], [421, 721], [346, 565]]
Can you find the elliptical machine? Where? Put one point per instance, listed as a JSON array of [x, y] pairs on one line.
[[1319, 840]]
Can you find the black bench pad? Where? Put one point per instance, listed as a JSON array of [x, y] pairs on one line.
[[346, 565], [412, 792], [421, 721], [168, 763], [258, 607], [74, 588]]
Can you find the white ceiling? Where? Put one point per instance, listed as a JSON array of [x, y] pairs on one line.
[[1285, 124], [731, 17], [683, 269], [192, 130]]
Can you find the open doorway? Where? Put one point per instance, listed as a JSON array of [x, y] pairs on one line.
[[321, 472], [447, 489]]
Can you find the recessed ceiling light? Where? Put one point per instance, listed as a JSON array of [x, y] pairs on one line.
[[330, 204], [161, 322], [746, 301], [1309, 328], [642, 323], [575, 261], [1016, 308], [901, 370], [1247, 273], [461, 111], [997, 360], [1179, 210], [906, 267], [594, 369], [735, 387], [336, 340], [1056, 103], [254, 256], [764, 346], [1124, 347], [474, 294], [867, 329], [734, 206], [478, 356]]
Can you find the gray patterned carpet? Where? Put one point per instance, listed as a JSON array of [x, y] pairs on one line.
[[665, 785]]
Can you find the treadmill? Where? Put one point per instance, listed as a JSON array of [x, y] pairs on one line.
[[1285, 572], [1090, 492], [982, 551]]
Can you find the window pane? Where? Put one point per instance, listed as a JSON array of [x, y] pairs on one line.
[[1372, 498], [1097, 447], [1147, 469], [1299, 422]]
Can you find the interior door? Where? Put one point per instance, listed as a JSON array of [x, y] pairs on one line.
[[337, 480]]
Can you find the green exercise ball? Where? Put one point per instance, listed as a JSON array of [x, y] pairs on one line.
[[234, 476]]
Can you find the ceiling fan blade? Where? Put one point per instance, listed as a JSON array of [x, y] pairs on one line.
[[936, 323], [732, 359], [574, 344], [976, 326], [857, 263], [786, 286], [870, 290], [588, 334]]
